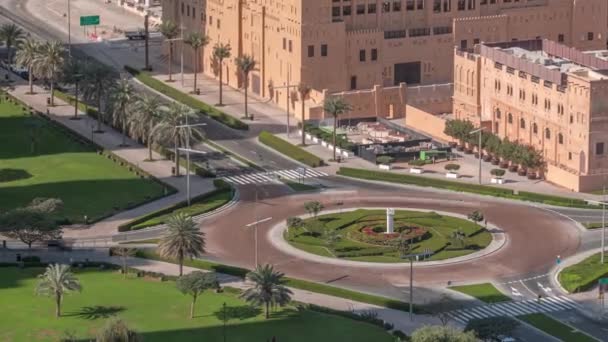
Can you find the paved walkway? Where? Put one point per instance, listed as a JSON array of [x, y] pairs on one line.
[[110, 140], [399, 319]]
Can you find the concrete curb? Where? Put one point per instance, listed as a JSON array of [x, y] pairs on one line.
[[275, 236]]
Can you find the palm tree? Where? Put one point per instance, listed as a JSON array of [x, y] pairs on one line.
[[335, 106], [194, 284], [25, 57], [72, 74], [196, 40], [11, 35], [148, 111], [245, 64], [97, 79], [123, 253], [167, 129], [268, 288], [304, 91], [49, 63], [221, 51], [56, 282], [182, 239], [169, 30], [122, 97]]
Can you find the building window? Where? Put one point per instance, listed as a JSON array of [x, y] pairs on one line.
[[374, 54], [371, 8], [353, 82], [396, 5], [510, 118], [183, 8], [463, 44], [410, 5], [284, 43], [571, 118], [193, 13], [547, 134], [498, 113], [522, 123], [386, 6], [590, 35], [560, 38], [361, 55], [560, 139], [360, 9], [534, 128], [218, 23], [346, 10], [290, 45], [210, 20], [335, 11], [188, 10], [323, 50], [311, 50], [569, 155], [437, 6], [461, 5], [599, 148]]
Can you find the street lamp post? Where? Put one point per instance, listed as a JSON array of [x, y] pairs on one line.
[[603, 221], [69, 29], [188, 150], [480, 131], [182, 52], [288, 86], [147, 40]]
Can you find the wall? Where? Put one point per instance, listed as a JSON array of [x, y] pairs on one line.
[[426, 122]]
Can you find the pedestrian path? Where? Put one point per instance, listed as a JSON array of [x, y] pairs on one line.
[[515, 308], [274, 176]]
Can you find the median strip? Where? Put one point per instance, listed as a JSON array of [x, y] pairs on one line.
[[290, 150]]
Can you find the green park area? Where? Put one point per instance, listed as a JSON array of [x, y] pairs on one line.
[[157, 311], [485, 292], [584, 275], [360, 236], [38, 158]]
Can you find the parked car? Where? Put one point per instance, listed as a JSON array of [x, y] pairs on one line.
[[135, 35]]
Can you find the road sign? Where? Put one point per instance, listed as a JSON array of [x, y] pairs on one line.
[[89, 20], [558, 260]]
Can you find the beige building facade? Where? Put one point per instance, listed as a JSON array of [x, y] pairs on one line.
[[371, 46], [543, 94]]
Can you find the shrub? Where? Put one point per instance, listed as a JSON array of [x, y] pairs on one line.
[[31, 258], [290, 150], [386, 160], [221, 184], [452, 167], [417, 162], [497, 172]]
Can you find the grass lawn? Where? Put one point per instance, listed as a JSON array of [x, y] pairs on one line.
[[158, 311], [485, 292], [289, 149], [584, 275], [295, 186], [88, 183], [357, 243], [592, 225], [555, 328]]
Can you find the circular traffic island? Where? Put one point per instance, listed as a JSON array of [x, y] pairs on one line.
[[362, 235]]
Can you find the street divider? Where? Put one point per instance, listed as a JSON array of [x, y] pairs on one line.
[[186, 99], [290, 150]]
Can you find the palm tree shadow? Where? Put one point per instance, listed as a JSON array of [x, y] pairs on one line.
[[240, 312], [96, 312]]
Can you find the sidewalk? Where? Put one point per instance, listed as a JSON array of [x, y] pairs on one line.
[[399, 319], [134, 153]]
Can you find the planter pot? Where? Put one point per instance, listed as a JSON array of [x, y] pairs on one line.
[[385, 167], [468, 151], [315, 140], [513, 168], [330, 146], [345, 154], [476, 155], [299, 132], [503, 164], [531, 175], [324, 144], [496, 180], [416, 170], [338, 150], [308, 136], [495, 161], [486, 158], [452, 175], [460, 148], [522, 172]]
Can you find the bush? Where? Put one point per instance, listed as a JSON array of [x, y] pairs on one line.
[[497, 172], [31, 258], [290, 150], [452, 167], [221, 184], [186, 99], [417, 162], [386, 160]]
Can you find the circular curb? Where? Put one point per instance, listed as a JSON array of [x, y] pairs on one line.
[[275, 236]]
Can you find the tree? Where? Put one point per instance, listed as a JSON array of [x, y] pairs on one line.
[[196, 283], [436, 333], [196, 40], [122, 97], [124, 253], [507, 149], [268, 288], [336, 106], [245, 64], [56, 282], [332, 237], [304, 92], [32, 223], [313, 207], [294, 222], [26, 56], [497, 172], [221, 51], [117, 330], [98, 78], [11, 35], [182, 239], [167, 129], [442, 309], [459, 129], [491, 328], [148, 112], [73, 73], [169, 30], [476, 216], [49, 64]]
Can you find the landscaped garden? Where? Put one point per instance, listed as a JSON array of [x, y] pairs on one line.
[[157, 311], [584, 275], [360, 235], [41, 159]]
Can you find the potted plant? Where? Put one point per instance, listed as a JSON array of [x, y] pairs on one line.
[[452, 170], [513, 168], [522, 171], [487, 158], [385, 162], [497, 176], [416, 165]]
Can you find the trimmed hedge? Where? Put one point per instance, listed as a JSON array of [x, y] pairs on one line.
[[186, 99], [463, 187], [290, 150], [136, 223], [83, 107], [584, 275]]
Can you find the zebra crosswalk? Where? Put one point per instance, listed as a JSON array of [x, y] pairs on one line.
[[515, 308], [274, 176]]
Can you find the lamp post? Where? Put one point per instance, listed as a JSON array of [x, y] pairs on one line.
[[69, 29], [147, 40], [603, 221], [288, 86], [181, 26], [188, 150], [480, 131]]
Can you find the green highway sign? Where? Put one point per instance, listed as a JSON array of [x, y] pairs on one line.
[[89, 20], [603, 281]]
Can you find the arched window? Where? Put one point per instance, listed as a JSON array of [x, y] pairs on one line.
[[497, 113], [534, 128], [560, 139], [522, 123], [547, 133], [510, 118]]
